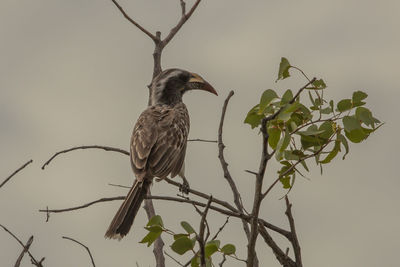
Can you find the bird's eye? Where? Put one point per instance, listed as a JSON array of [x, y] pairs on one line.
[[184, 77]]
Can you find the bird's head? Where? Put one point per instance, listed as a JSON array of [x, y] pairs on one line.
[[170, 85]]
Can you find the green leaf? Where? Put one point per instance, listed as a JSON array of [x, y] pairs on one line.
[[311, 99], [253, 118], [195, 262], [356, 136], [353, 129], [155, 220], [284, 67], [358, 96], [344, 142], [179, 236], [365, 115], [303, 163], [266, 99], [312, 130], [344, 105], [154, 228], [351, 123], [152, 235], [319, 84], [332, 154], [182, 245], [289, 155], [274, 136], [228, 249], [285, 182], [211, 247], [327, 127], [282, 145], [287, 111], [287, 97], [188, 228], [326, 110]]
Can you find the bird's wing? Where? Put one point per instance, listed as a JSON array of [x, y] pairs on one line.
[[159, 141]]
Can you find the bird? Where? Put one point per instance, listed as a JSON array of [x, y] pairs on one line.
[[158, 142]]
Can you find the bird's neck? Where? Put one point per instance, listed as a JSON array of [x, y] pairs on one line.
[[168, 98]]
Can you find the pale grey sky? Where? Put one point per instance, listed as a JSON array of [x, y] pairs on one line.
[[75, 72]]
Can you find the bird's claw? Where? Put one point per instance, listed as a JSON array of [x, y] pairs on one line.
[[184, 188]]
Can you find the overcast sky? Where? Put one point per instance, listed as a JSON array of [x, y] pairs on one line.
[[75, 73]]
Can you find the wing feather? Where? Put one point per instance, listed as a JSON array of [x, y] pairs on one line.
[[158, 143]]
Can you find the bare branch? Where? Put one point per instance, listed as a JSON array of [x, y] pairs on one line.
[[15, 172], [105, 199], [158, 247], [172, 258], [251, 252], [200, 237], [220, 229], [197, 203], [223, 260], [106, 148], [228, 206], [26, 248], [87, 249], [203, 195], [283, 259], [34, 261], [202, 140], [134, 22], [294, 241], [183, 7], [182, 21], [224, 165], [119, 185]]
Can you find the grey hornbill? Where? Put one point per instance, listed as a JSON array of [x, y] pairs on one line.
[[158, 143]]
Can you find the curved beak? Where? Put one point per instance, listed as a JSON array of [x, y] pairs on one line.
[[196, 82]]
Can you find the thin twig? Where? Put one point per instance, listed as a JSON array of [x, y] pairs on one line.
[[34, 261], [119, 185], [105, 199], [223, 260], [197, 203], [15, 172], [184, 18], [251, 172], [224, 164], [294, 165], [87, 249], [202, 140], [172, 258], [273, 116], [106, 148], [203, 195], [200, 237], [25, 250], [228, 206], [283, 259], [294, 241], [158, 247], [220, 229], [134, 22]]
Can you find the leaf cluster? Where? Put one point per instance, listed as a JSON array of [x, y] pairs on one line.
[[313, 127], [185, 241]]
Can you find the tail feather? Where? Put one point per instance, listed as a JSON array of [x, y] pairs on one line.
[[123, 220]]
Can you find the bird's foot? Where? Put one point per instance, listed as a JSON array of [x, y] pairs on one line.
[[184, 187]]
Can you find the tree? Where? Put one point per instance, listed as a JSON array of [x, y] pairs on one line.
[[288, 126]]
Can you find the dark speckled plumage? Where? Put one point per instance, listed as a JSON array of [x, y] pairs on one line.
[[158, 143]]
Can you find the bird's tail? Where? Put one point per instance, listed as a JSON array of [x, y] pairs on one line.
[[123, 220]]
